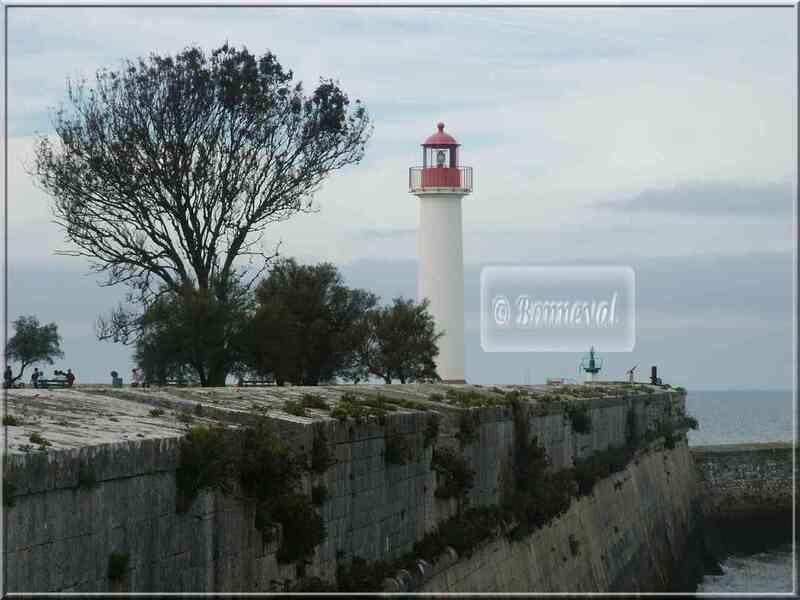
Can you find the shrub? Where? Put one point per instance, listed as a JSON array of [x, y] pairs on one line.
[[431, 430], [581, 421], [266, 468], [631, 435], [396, 450], [263, 523], [681, 390], [467, 428], [454, 475], [688, 421], [303, 529], [36, 438], [87, 479], [156, 412], [319, 495], [314, 401], [11, 421], [117, 565], [294, 407], [436, 397], [198, 409], [409, 404], [474, 526], [358, 408], [600, 465], [185, 416], [321, 457], [363, 576], [474, 399], [205, 462]]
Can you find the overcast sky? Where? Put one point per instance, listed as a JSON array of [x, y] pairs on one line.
[[662, 139]]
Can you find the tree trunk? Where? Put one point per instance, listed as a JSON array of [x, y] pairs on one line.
[[216, 376]]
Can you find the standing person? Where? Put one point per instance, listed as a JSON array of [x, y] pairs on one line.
[[35, 377], [7, 377], [70, 377], [134, 377]]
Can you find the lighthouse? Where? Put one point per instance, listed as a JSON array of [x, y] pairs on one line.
[[440, 184]]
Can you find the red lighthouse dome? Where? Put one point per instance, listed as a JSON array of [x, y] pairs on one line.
[[440, 170], [440, 138]]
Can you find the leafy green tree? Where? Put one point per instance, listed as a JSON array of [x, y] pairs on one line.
[[190, 334], [309, 326], [168, 171], [33, 343], [402, 342]]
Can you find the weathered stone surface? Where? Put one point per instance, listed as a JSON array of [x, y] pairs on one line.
[[628, 538], [739, 481], [60, 536]]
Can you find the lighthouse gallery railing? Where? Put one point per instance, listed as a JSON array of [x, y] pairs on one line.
[[429, 179]]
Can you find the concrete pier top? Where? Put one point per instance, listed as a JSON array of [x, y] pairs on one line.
[[751, 447], [93, 415]]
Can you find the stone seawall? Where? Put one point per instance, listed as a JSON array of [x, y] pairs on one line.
[[62, 528], [741, 481], [745, 491], [629, 535]]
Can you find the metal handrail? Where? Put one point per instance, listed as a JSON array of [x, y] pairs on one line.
[[440, 178]]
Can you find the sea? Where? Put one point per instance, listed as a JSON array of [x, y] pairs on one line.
[[741, 417]]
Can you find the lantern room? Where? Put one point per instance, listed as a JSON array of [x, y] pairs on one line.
[[440, 171]]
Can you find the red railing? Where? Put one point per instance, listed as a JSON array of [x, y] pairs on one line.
[[421, 179]]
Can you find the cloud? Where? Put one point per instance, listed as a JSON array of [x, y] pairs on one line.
[[714, 199], [596, 134]]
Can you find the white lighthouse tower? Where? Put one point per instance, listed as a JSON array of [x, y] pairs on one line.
[[440, 184]]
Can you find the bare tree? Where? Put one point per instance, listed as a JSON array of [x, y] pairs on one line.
[[168, 170]]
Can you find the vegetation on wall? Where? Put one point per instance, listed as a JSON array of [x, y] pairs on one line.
[[475, 399], [294, 407], [37, 438], [265, 471], [537, 496], [205, 462], [319, 495], [463, 532], [303, 528], [87, 478], [117, 565], [579, 417], [599, 465], [321, 456], [454, 476], [361, 407], [396, 450], [467, 428], [314, 401], [431, 430]]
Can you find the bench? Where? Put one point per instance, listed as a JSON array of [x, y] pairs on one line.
[[52, 383], [256, 382], [176, 382]]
